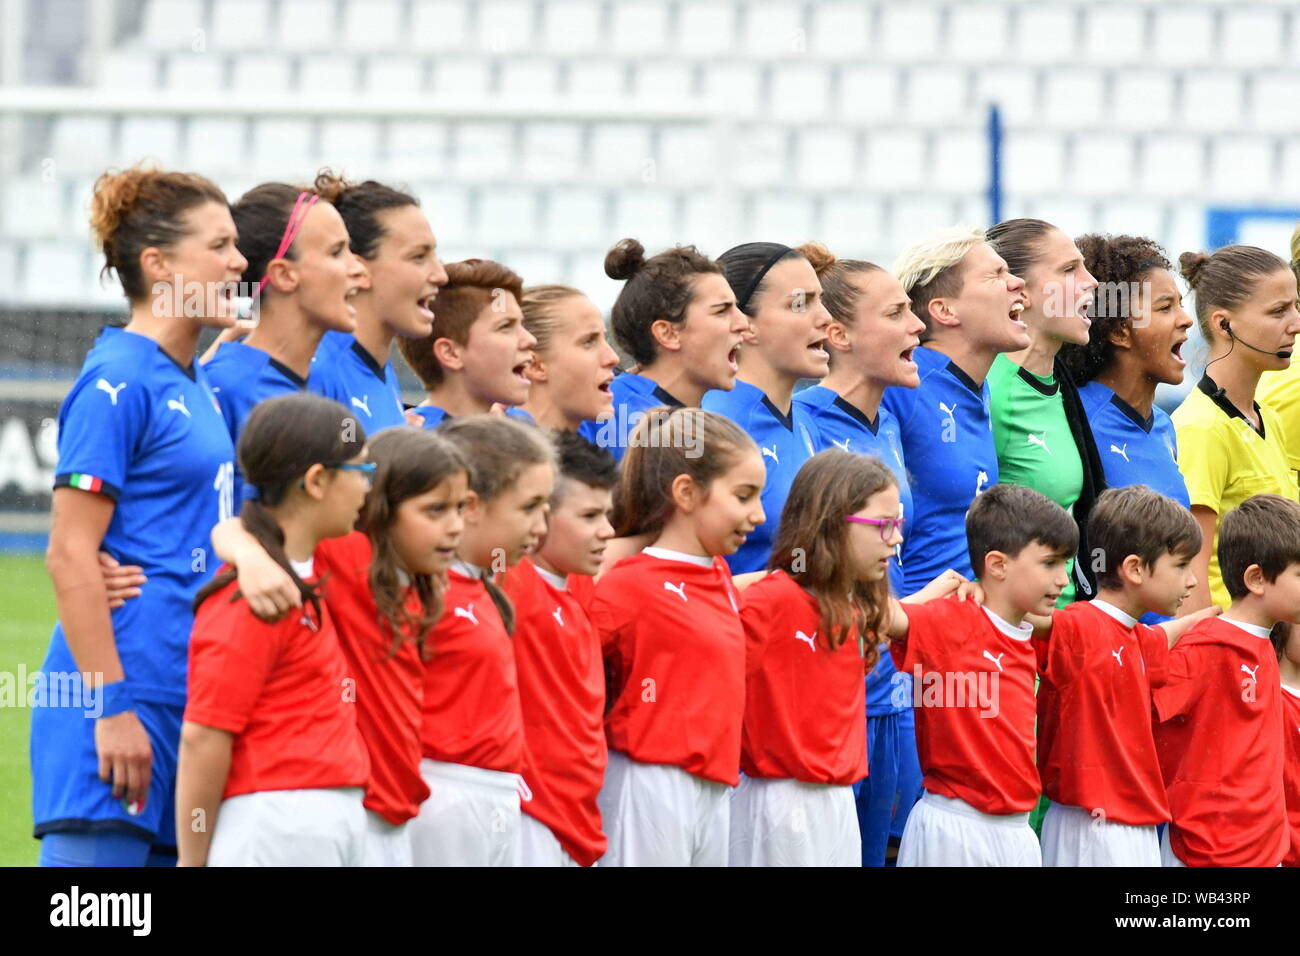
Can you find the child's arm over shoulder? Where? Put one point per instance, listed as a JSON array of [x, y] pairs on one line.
[[266, 586], [1179, 626]]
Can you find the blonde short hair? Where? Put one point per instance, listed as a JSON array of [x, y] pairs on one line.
[[927, 268]]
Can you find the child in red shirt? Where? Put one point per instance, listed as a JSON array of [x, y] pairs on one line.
[[1220, 733], [674, 647], [974, 669], [472, 733], [804, 742], [1286, 641], [271, 761], [561, 673], [1098, 664]]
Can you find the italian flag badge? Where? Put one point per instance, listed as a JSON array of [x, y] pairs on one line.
[[84, 482]]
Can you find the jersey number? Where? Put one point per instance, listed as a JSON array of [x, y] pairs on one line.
[[224, 484]]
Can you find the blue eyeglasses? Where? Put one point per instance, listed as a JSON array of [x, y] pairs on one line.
[[367, 469]]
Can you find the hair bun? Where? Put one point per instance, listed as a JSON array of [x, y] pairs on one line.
[[330, 186], [818, 256], [115, 195], [624, 260], [1192, 265]]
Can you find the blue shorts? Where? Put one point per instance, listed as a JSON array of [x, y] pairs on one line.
[[69, 797], [886, 796]]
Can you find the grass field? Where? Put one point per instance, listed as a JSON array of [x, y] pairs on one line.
[[26, 616]]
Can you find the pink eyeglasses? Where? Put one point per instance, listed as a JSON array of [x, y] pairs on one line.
[[887, 526]]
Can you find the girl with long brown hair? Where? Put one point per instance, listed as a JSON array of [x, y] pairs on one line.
[[810, 629]]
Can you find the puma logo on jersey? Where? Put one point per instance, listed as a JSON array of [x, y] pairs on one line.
[[103, 386], [981, 480], [558, 618], [308, 623], [1032, 439], [1250, 670], [997, 661], [771, 453], [1121, 451], [678, 589], [845, 444], [179, 405], [1118, 655], [810, 641], [466, 612], [363, 404], [950, 412]]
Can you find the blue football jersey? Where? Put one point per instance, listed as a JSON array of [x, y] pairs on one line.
[[951, 457], [433, 415], [785, 443], [344, 371], [150, 435], [634, 395], [1134, 450], [241, 377]]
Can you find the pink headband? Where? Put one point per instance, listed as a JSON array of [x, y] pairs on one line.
[[291, 229]]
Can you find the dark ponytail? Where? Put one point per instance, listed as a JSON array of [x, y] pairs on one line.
[[281, 439]]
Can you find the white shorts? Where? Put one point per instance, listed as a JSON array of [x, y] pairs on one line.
[[538, 845], [1167, 855], [792, 823], [1074, 837], [471, 817], [386, 845], [659, 815], [324, 827], [945, 831]]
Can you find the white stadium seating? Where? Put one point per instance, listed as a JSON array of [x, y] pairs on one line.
[[544, 130]]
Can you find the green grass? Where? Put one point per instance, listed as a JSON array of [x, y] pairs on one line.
[[26, 616]]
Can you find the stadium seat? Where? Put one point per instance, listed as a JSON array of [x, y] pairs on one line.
[[80, 144], [352, 145], [936, 95], [827, 157], [1101, 160], [155, 137], [552, 152], [799, 91], [639, 27], [1142, 99], [759, 156], [706, 223], [1047, 34], [669, 84], [1252, 37], [537, 266], [895, 159], [395, 75], [1015, 90], [1073, 215], [240, 24], [307, 25], [1114, 34], [284, 149], [733, 86], [915, 215], [438, 25], [193, 72], [774, 29], [868, 93], [129, 70], [33, 207], [57, 271], [571, 28], [172, 25], [374, 25], [1289, 175], [1171, 165], [448, 210], [840, 30], [688, 155], [977, 33], [509, 212], [782, 217], [620, 152], [1034, 162], [1137, 217], [505, 26], [1241, 168], [597, 80], [216, 143], [849, 226], [1183, 37], [1211, 100], [530, 76], [576, 216], [327, 75], [908, 32], [1074, 99], [483, 151], [261, 73], [648, 214], [1275, 102], [706, 28], [961, 162]]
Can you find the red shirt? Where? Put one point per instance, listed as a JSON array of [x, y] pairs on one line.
[[471, 694], [1291, 769], [675, 653], [279, 688], [1221, 747], [389, 689], [974, 697], [562, 695], [803, 702], [1096, 748]]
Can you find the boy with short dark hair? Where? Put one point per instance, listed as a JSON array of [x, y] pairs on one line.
[[559, 663], [1097, 664], [974, 669], [1286, 641], [1220, 737]]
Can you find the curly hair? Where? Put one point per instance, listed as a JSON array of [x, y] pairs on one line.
[[1116, 262]]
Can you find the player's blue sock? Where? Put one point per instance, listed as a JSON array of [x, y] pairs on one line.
[[94, 849]]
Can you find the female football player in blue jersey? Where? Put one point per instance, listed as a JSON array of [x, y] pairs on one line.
[[573, 364], [872, 335], [389, 231], [145, 470], [776, 287], [306, 277], [476, 354], [1135, 344], [676, 318]]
